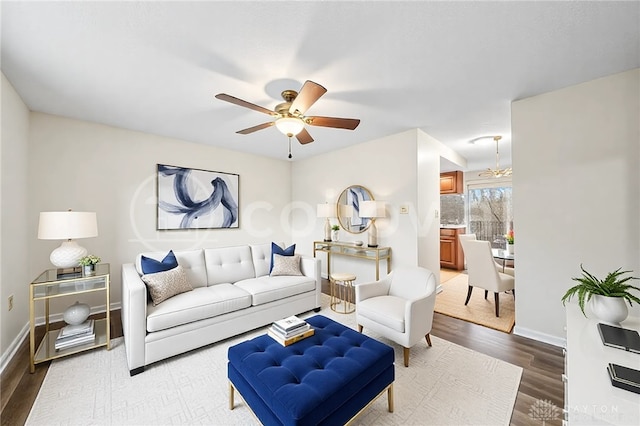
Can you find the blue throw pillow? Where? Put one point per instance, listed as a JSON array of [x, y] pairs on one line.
[[151, 266], [276, 249]]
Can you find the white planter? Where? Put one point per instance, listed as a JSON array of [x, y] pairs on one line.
[[612, 310], [511, 250], [335, 235]]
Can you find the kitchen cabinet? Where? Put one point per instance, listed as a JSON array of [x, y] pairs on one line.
[[451, 255], [451, 182]]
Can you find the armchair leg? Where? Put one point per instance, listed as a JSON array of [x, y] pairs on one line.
[[468, 294], [496, 297], [359, 328], [428, 338], [406, 356]]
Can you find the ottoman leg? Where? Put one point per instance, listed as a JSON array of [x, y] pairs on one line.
[[390, 397], [231, 392]]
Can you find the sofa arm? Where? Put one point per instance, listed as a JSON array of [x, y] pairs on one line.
[[310, 267], [134, 317]]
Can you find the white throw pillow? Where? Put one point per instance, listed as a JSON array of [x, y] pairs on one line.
[[163, 285], [286, 265]]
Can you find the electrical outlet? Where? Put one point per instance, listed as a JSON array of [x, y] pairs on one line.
[[404, 209], [11, 302]]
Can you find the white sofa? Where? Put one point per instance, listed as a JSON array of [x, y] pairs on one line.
[[232, 293]]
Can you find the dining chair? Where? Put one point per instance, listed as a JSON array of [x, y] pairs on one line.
[[501, 268], [483, 271]]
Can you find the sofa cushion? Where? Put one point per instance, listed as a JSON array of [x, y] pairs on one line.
[[166, 284], [267, 289], [151, 266], [261, 255], [192, 261], [228, 264], [286, 265], [276, 249], [201, 303]]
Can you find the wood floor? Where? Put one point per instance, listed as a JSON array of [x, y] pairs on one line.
[[543, 366]]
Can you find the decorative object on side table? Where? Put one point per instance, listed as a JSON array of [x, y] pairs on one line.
[[607, 297], [326, 210], [76, 314], [67, 226], [88, 264], [510, 242], [372, 209], [335, 233]]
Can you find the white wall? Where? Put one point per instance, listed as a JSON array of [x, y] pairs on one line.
[[14, 277], [576, 189], [92, 167], [401, 169]]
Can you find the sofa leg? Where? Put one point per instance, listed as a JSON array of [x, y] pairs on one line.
[[359, 328], [136, 371], [428, 338], [406, 356], [316, 310]]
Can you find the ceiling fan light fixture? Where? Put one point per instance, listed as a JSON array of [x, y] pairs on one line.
[[290, 126]]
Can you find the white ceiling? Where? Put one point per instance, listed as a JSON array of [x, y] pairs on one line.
[[449, 68]]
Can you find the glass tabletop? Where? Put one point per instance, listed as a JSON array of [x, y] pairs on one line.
[[502, 254]]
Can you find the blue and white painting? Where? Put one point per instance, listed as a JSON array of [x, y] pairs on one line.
[[355, 196], [196, 199]]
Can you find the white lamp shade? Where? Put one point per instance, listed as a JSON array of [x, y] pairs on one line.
[[372, 209], [326, 210], [67, 225], [346, 210], [290, 126]]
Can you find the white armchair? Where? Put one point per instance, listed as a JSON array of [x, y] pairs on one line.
[[399, 306], [483, 271]]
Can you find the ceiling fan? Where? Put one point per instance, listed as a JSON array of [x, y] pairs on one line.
[[289, 115]]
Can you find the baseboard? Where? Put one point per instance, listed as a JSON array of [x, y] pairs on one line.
[[8, 355], [540, 337]]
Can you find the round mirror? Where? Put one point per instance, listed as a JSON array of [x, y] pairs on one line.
[[348, 207]]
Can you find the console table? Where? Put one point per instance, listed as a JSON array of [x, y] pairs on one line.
[[590, 398], [375, 254]]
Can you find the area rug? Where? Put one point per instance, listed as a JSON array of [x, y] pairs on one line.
[[446, 384], [450, 301]]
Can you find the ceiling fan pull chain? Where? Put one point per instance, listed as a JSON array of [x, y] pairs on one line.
[[289, 146]]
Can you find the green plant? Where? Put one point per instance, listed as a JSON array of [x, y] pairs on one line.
[[335, 227], [614, 285], [89, 260]]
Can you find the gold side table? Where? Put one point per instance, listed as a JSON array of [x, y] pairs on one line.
[[342, 292], [55, 283]]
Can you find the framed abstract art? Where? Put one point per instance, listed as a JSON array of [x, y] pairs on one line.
[[196, 199]]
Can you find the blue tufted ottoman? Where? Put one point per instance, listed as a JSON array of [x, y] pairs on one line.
[[326, 379]]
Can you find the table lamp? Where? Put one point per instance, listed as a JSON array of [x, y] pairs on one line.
[[67, 226], [372, 209], [326, 210]]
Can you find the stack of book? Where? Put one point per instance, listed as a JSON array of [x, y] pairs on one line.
[[74, 335], [290, 330]]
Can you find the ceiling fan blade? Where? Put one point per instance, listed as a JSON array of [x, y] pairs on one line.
[[240, 102], [340, 123], [308, 95], [304, 137], [255, 128]]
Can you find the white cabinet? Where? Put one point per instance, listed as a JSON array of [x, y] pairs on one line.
[[590, 399]]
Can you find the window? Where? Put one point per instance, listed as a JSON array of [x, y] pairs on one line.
[[490, 211]]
